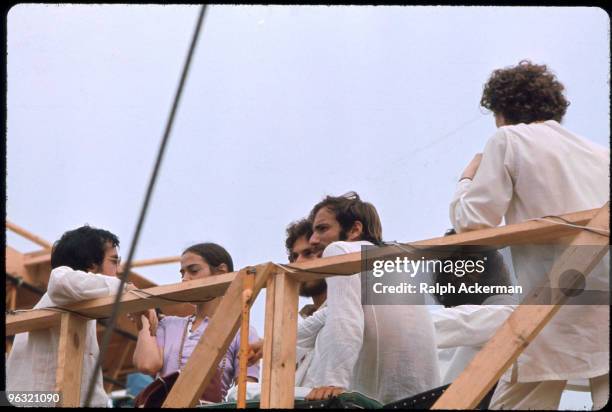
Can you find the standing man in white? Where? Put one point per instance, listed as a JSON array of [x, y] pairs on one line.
[[530, 168]]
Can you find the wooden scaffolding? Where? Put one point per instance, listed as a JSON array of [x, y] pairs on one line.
[[281, 283]]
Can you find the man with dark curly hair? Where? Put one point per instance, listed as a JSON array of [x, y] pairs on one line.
[[533, 167]]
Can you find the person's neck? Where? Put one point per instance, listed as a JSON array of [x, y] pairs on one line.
[[318, 300], [207, 309]]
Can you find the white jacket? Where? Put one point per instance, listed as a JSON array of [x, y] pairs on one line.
[[32, 362], [461, 331], [529, 171]]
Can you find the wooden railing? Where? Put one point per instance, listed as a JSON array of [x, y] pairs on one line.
[[281, 282]]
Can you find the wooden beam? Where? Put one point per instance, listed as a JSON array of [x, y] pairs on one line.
[[30, 236], [213, 344], [266, 370], [192, 290], [532, 232], [524, 324], [70, 359], [156, 261], [32, 260], [14, 265], [247, 295], [279, 342]]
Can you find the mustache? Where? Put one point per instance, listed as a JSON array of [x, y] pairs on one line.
[[318, 250]]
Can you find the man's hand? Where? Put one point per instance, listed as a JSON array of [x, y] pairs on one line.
[[255, 352], [324, 392], [472, 167]]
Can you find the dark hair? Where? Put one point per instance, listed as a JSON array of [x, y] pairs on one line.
[[525, 93], [348, 209], [296, 230], [82, 248], [213, 254], [495, 274]]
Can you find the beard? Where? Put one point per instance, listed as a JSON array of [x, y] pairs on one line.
[[342, 236], [312, 288]]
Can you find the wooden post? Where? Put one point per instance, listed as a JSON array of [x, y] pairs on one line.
[[247, 293], [213, 344], [70, 359], [278, 374], [524, 324]]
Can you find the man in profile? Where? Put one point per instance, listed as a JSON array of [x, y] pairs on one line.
[[300, 250], [312, 316], [84, 266], [386, 352]]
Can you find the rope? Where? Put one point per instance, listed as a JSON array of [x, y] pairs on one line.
[[598, 231]]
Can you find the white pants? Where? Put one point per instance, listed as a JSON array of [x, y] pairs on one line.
[[544, 395]]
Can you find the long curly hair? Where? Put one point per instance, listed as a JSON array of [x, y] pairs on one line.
[[525, 93]]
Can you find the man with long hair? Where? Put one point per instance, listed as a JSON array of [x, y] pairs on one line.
[[386, 352]]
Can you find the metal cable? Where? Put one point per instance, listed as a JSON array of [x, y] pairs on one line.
[[143, 211]]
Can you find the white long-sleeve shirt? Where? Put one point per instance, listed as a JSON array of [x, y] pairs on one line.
[[307, 332], [32, 362], [463, 330], [386, 352], [529, 171]]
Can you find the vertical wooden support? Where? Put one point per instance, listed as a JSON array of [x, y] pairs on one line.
[[247, 294], [213, 344], [278, 374], [524, 324], [11, 295], [70, 359]]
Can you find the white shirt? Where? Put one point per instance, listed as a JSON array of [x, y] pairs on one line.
[[530, 171], [307, 332], [386, 352], [461, 331], [32, 363]]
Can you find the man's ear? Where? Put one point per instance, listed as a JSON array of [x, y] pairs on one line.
[[356, 231], [94, 269], [222, 268]]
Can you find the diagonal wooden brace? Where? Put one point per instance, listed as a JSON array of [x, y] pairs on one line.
[[213, 344], [524, 324]]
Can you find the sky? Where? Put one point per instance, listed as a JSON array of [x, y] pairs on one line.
[[283, 105]]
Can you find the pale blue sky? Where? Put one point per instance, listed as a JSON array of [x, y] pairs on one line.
[[283, 106]]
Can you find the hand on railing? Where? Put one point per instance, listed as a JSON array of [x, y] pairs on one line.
[[147, 318], [255, 352], [324, 392]]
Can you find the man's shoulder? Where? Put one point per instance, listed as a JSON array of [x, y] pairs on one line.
[[342, 247], [549, 135]]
